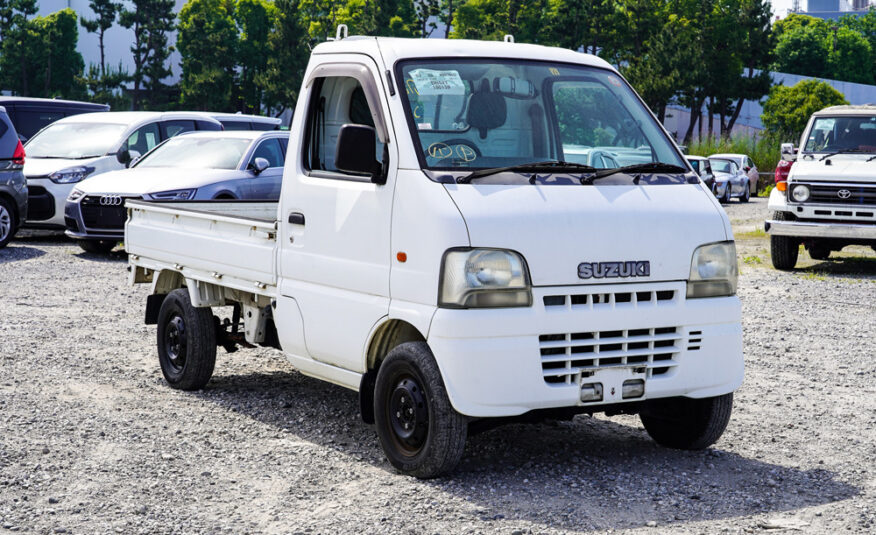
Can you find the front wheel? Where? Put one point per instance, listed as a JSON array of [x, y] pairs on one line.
[[745, 194], [186, 342], [687, 424], [8, 224], [419, 431]]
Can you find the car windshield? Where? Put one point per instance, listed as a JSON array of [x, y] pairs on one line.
[[721, 166], [75, 140], [842, 133], [197, 152], [479, 114]]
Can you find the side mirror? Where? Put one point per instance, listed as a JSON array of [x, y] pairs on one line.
[[746, 169], [788, 151], [134, 156], [259, 164], [123, 156], [355, 152]]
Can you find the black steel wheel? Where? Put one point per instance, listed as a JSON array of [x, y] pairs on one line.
[[186, 342], [419, 431]]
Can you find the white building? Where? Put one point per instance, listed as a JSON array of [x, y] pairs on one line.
[[117, 40]]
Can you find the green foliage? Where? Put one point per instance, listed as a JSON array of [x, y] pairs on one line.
[[255, 19], [287, 58], [764, 149], [591, 24], [207, 42], [107, 11], [493, 19], [151, 21], [787, 109], [106, 86]]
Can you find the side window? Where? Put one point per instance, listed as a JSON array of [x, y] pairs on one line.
[[172, 128], [237, 125], [334, 102], [208, 125], [284, 142], [708, 168], [270, 150], [143, 139]]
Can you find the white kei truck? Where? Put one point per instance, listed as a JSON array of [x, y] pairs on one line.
[[435, 250], [829, 198]]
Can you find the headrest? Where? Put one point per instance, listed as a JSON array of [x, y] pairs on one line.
[[486, 109]]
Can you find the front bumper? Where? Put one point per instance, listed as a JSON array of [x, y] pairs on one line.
[[77, 228], [806, 229], [507, 362], [46, 203]]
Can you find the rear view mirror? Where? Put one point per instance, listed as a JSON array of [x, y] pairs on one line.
[[788, 151], [259, 164], [355, 152]]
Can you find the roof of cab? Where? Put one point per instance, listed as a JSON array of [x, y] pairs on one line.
[[132, 117], [395, 48], [862, 109]]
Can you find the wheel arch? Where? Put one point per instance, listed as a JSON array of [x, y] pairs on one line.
[[386, 336], [13, 205]]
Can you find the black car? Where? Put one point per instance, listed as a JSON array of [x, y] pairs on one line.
[[13, 185], [30, 115]]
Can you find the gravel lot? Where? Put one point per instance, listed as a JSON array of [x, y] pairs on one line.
[[94, 442]]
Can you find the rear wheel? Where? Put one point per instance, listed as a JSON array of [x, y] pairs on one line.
[[726, 197], [745, 195], [186, 342], [419, 431], [687, 424], [97, 246], [783, 249], [8, 223]]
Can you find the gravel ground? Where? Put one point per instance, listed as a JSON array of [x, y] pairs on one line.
[[94, 442]]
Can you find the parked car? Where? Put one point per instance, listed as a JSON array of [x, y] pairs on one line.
[[424, 255], [239, 121], [746, 164], [13, 185], [703, 168], [30, 115], [245, 165], [75, 148], [730, 181], [599, 158]]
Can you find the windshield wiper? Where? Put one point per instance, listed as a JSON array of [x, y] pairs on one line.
[[551, 166], [843, 151], [639, 168]]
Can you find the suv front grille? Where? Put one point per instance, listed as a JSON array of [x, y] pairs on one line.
[[831, 194], [96, 216], [566, 357]]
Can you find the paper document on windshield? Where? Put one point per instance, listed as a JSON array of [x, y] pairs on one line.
[[430, 82]]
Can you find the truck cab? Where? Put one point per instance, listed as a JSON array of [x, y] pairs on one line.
[[828, 200], [434, 249]]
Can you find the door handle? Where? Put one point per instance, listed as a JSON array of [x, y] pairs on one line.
[[296, 218]]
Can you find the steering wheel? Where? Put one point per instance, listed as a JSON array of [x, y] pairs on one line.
[[459, 149]]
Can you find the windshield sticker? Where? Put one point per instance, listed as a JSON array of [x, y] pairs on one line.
[[555, 71], [439, 150], [424, 126], [614, 80], [466, 153], [429, 82]]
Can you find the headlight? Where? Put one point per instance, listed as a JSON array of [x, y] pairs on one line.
[[484, 278], [173, 195], [800, 193], [713, 271], [70, 175], [74, 195]]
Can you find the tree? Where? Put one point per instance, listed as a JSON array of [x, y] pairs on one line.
[[207, 41], [106, 11], [20, 42], [493, 19], [60, 70], [287, 59], [787, 109], [255, 21], [803, 50], [151, 21], [587, 24], [851, 58]]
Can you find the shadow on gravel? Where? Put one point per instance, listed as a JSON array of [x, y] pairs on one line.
[[117, 255], [13, 253], [844, 266], [579, 475]]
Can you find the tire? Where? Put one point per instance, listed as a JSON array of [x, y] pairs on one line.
[[8, 222], [186, 342], [687, 424], [726, 197], [746, 195], [783, 250], [419, 431], [818, 251], [97, 246]]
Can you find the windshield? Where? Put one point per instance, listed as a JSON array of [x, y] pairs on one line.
[[198, 152], [722, 166], [843, 133], [75, 140], [477, 114]]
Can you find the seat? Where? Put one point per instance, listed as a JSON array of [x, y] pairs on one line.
[[486, 109]]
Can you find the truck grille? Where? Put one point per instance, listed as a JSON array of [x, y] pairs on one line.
[[848, 194], [96, 216], [596, 299], [566, 357]]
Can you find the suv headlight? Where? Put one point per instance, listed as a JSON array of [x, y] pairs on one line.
[[74, 195], [713, 271], [173, 195], [484, 278], [70, 174], [800, 193]]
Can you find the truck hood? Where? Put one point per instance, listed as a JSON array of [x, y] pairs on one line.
[[139, 181], [41, 167], [842, 168], [556, 228]]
